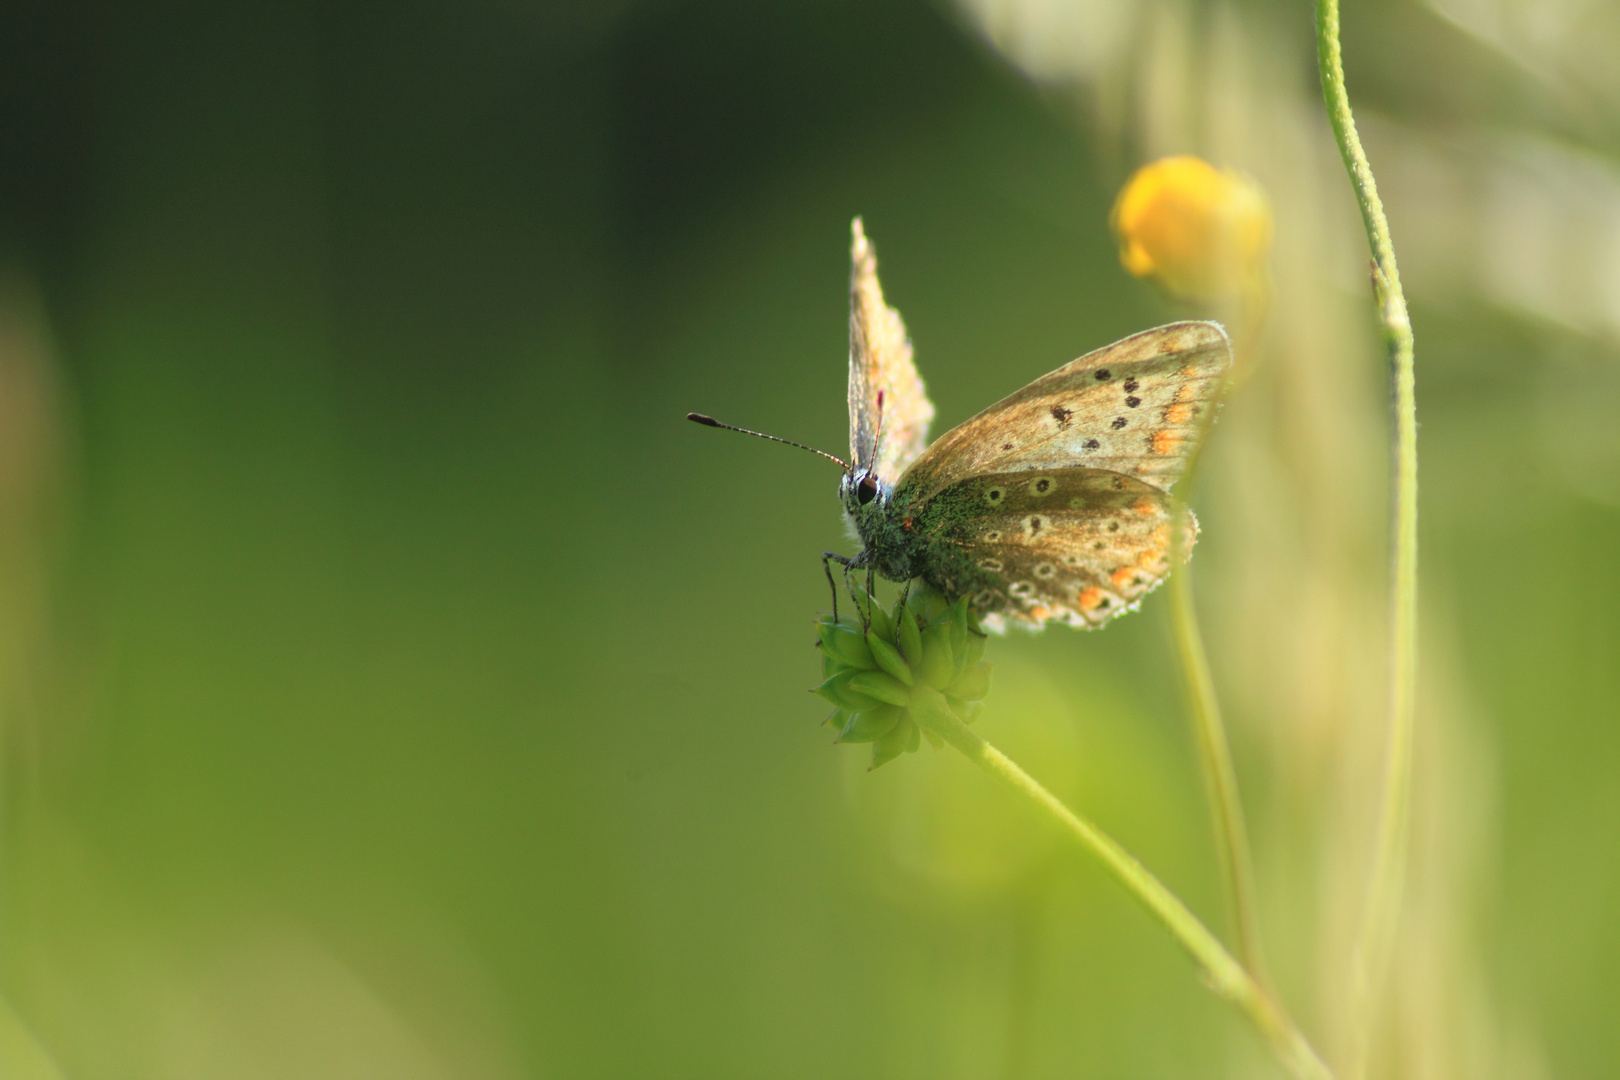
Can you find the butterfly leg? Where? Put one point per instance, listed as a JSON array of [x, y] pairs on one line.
[[827, 559]]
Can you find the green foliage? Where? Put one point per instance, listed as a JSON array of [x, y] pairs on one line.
[[882, 669]]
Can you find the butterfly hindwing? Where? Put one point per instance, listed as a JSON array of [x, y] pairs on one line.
[[1138, 407], [1074, 545], [889, 410]]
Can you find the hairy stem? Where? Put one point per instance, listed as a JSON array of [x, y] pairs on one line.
[[1220, 778], [1224, 973], [1389, 860]]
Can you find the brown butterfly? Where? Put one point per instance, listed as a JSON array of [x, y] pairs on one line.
[[1052, 504]]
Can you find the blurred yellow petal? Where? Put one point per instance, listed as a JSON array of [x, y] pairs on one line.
[[1198, 232]]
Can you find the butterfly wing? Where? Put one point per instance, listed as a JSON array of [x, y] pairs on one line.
[[1074, 545], [889, 410], [1138, 407]]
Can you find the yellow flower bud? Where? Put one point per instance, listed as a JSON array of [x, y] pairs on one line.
[[1198, 232]]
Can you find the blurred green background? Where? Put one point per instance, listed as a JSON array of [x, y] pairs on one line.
[[395, 685]]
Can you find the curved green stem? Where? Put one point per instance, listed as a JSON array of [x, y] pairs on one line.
[[1225, 975], [1389, 864], [1220, 778]]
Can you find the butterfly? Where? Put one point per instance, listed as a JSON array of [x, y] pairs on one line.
[[1053, 504]]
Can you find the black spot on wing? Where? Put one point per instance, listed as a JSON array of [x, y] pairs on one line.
[[1119, 422]]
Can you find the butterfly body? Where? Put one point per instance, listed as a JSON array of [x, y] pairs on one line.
[[1053, 504]]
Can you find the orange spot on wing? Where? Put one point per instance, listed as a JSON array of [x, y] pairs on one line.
[[1187, 392], [1124, 576], [1178, 413], [1149, 558], [1145, 506], [1090, 597], [1166, 441], [1040, 614]]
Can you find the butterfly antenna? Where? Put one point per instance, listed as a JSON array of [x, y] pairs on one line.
[[709, 421], [877, 436]]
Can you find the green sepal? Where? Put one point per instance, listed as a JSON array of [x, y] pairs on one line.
[[959, 632], [927, 708], [893, 744], [877, 684], [909, 637], [938, 667], [829, 663], [877, 620], [847, 644], [836, 689], [839, 719], [974, 651], [966, 711], [973, 683], [917, 600], [928, 605], [889, 659], [871, 725]]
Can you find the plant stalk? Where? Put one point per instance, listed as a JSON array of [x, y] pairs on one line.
[[1389, 860], [1220, 778], [1223, 972]]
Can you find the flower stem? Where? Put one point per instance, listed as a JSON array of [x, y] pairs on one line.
[[1220, 778], [1225, 975], [1389, 861]]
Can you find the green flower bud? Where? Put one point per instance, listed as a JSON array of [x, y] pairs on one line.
[[891, 674]]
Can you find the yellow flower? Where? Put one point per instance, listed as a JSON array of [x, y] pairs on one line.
[[1198, 232]]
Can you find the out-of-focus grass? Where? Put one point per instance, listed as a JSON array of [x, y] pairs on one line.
[[367, 713]]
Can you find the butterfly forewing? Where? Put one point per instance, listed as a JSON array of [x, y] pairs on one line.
[[1074, 545], [889, 410], [1138, 407]]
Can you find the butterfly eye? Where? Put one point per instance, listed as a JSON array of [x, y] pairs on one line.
[[866, 490]]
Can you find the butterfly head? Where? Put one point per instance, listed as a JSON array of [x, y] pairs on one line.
[[862, 493]]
